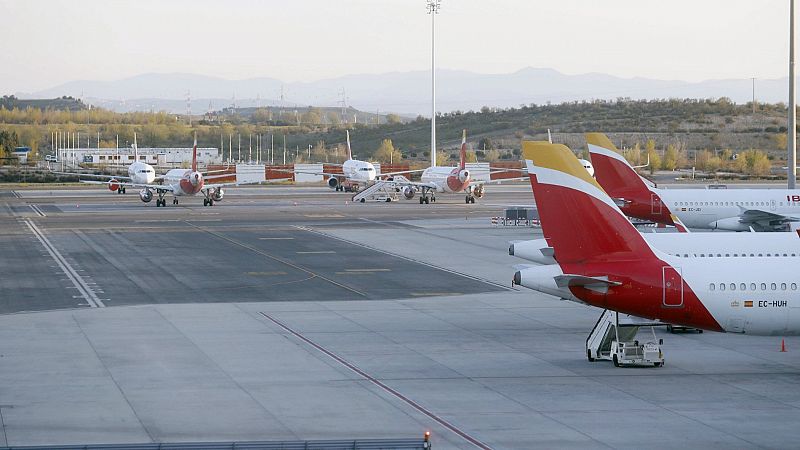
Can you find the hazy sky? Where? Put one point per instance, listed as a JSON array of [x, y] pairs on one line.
[[47, 42]]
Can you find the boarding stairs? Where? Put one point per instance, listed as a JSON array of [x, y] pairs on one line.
[[379, 191], [613, 325]]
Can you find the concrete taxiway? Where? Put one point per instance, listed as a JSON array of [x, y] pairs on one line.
[[284, 313]]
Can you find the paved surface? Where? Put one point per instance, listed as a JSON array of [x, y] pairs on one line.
[[275, 316]]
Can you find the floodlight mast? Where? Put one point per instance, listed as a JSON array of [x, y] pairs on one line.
[[433, 7], [792, 125]]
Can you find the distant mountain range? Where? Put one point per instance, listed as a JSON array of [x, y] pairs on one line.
[[400, 92]]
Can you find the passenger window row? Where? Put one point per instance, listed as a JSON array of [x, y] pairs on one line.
[[731, 203], [752, 286]]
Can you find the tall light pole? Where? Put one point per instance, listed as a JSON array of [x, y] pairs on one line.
[[792, 138], [433, 9]]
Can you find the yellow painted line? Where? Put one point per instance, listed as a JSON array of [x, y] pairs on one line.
[[275, 238], [367, 270], [316, 253], [264, 274], [434, 294]]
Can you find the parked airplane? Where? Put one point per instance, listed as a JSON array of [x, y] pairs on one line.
[[441, 179], [356, 174], [138, 173], [603, 261], [184, 182], [686, 245], [723, 209]]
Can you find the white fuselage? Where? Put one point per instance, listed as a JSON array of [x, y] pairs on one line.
[[444, 178], [760, 295], [692, 245], [141, 173], [358, 172], [183, 182], [705, 208]]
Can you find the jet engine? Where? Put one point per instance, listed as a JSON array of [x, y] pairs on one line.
[[218, 194], [478, 191], [729, 224], [113, 185], [146, 195], [333, 182], [463, 175], [408, 192]]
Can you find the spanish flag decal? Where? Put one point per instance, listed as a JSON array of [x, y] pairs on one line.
[[748, 303]]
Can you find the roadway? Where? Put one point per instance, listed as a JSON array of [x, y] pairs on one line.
[[285, 313]]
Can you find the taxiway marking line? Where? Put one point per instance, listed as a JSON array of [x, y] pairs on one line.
[[424, 263], [320, 252], [38, 211], [474, 441], [85, 291], [275, 258], [275, 238]]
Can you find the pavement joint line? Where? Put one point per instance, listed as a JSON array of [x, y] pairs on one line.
[[417, 261], [464, 435], [68, 270], [275, 258]]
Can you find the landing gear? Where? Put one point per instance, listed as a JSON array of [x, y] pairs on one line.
[[470, 199], [161, 201], [208, 202], [426, 197], [120, 190], [175, 201]]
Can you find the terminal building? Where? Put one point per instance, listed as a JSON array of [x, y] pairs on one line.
[[175, 156]]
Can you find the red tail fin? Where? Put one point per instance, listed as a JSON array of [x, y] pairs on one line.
[[463, 161], [578, 218], [612, 171], [194, 154]]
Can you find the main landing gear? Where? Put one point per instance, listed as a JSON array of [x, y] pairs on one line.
[[120, 190], [208, 202], [427, 197], [161, 201], [470, 199]]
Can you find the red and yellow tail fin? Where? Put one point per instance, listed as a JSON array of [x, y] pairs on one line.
[[580, 221]]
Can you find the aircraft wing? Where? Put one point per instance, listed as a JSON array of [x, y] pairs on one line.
[[155, 187], [233, 184], [498, 181], [765, 218], [107, 177]]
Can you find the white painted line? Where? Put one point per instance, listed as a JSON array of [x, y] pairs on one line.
[[316, 253], [156, 221], [37, 210], [275, 238], [77, 281]]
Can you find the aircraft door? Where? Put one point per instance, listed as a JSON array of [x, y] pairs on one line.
[[672, 287], [772, 205], [655, 204]]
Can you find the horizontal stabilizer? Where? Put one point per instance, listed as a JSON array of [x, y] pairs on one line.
[[597, 284]]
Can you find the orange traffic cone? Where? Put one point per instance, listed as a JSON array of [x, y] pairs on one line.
[[783, 345]]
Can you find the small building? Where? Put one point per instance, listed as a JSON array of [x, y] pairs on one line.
[[22, 154]]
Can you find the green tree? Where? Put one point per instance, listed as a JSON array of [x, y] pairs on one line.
[[670, 158], [492, 155], [655, 161], [441, 158], [471, 157], [485, 144], [393, 119], [633, 155], [386, 153]]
